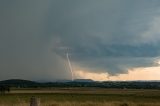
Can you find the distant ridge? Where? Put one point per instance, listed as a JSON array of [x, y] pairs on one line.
[[13, 81], [20, 83], [83, 80], [76, 80]]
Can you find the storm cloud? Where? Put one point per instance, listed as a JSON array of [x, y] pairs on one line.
[[104, 36]]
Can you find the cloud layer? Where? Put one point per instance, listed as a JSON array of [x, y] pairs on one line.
[[107, 35]]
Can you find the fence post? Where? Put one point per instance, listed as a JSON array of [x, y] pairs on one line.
[[34, 101]]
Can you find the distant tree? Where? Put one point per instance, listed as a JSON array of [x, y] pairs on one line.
[[4, 89]]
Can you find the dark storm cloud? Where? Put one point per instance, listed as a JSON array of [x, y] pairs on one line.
[[111, 35], [25, 44], [103, 35]]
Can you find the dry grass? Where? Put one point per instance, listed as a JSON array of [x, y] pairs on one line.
[[83, 97], [54, 103]]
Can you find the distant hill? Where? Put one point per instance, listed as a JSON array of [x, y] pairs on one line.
[[19, 83], [76, 80], [13, 81], [63, 81], [83, 80]]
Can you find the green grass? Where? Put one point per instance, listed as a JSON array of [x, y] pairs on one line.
[[82, 97]]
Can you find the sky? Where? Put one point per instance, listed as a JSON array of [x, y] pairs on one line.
[[104, 39]]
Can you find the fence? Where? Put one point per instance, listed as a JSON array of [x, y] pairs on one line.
[[34, 101]]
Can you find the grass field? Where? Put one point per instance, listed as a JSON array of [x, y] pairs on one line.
[[82, 97]]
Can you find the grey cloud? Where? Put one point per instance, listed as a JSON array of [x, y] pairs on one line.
[[110, 32], [100, 35], [25, 44]]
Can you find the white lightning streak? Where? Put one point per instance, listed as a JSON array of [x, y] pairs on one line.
[[70, 66]]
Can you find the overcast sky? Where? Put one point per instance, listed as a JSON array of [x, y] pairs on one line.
[[101, 36]]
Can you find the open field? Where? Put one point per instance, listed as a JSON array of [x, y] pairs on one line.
[[82, 97]]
